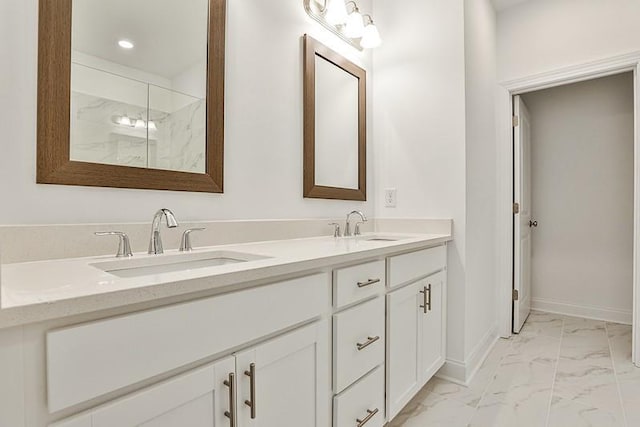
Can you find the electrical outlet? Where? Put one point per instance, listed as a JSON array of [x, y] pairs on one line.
[[390, 198]]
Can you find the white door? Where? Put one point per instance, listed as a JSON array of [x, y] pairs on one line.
[[404, 319], [199, 398], [285, 381], [522, 221], [432, 342]]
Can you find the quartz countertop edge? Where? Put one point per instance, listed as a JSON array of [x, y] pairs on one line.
[[76, 287]]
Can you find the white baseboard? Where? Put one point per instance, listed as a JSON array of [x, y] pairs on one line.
[[453, 371], [597, 313], [460, 372]]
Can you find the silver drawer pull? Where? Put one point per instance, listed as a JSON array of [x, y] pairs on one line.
[[368, 283], [231, 413], [370, 340], [370, 414], [251, 403]]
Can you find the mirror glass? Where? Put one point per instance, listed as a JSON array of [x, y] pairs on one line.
[[336, 126], [139, 83]]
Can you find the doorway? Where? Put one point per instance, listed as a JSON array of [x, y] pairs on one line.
[[573, 177], [507, 90]]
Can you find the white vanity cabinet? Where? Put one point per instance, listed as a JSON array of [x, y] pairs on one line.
[[285, 382], [336, 346], [282, 382], [198, 398], [416, 319]]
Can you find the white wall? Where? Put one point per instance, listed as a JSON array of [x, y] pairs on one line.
[[481, 84], [543, 35], [582, 194], [419, 108], [263, 150]]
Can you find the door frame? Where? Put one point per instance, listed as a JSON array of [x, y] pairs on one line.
[[504, 108]]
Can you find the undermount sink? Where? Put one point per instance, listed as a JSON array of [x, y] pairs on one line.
[[172, 263], [375, 238]]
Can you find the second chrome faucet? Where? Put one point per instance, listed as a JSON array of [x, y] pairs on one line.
[[155, 242]]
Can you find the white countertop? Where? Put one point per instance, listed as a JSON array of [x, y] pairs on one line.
[[43, 290]]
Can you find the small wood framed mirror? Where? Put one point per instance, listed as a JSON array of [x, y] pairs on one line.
[[131, 94], [335, 130]]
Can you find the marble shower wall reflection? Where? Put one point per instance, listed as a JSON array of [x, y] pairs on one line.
[[122, 121]]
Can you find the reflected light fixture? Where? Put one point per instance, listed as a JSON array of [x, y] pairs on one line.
[[126, 121], [125, 44], [370, 36]]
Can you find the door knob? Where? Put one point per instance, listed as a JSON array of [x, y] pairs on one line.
[[533, 223]]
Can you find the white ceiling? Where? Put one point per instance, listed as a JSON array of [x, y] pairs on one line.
[[503, 4], [169, 35]]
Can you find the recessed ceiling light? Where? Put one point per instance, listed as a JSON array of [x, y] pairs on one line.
[[125, 44]]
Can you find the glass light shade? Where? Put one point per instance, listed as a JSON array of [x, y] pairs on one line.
[[125, 44], [140, 124], [152, 125], [125, 121], [336, 13], [355, 25], [370, 37]]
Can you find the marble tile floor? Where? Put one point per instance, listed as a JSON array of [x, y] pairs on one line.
[[559, 371]]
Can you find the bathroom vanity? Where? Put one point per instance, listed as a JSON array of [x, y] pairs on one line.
[[303, 332]]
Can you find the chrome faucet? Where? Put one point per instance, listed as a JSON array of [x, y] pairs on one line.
[[155, 244], [347, 227]]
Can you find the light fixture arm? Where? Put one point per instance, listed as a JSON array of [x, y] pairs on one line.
[[370, 19], [355, 6]]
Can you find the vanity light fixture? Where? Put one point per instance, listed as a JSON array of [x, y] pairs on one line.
[[354, 28], [355, 25], [336, 12], [125, 44], [370, 36]]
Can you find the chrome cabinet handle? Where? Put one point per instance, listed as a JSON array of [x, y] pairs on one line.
[[370, 414], [426, 305], [368, 283], [251, 403], [124, 247], [370, 340], [231, 413]]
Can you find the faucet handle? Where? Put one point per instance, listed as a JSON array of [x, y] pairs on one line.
[[124, 246], [336, 229], [185, 244], [356, 231]]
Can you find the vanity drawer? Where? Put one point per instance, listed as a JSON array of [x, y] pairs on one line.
[[361, 400], [406, 268], [353, 284], [92, 359], [358, 342]]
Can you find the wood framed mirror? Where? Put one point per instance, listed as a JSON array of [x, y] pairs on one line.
[[131, 94], [335, 125]]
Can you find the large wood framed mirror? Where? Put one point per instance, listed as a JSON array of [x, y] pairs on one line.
[[131, 94], [335, 130]]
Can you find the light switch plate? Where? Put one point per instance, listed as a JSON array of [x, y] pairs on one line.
[[390, 198]]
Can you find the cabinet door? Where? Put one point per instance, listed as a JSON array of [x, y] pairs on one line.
[[285, 381], [198, 398], [433, 323], [404, 325]]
